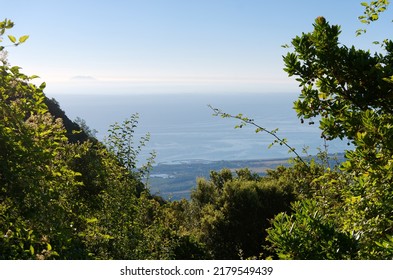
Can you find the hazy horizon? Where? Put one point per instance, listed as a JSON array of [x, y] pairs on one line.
[[173, 45]]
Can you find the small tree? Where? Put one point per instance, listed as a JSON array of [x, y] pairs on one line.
[[120, 142]]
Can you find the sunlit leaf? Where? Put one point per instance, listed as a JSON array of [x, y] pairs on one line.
[[12, 38], [23, 38]]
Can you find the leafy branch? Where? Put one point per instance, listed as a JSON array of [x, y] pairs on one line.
[[4, 26], [247, 121], [371, 13]]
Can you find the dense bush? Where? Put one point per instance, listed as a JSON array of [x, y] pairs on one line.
[[230, 212]]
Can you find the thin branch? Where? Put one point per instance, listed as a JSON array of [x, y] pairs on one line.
[[245, 121]]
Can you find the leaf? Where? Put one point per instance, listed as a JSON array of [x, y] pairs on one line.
[[365, 4], [23, 38], [93, 220], [12, 38], [322, 95], [15, 69]]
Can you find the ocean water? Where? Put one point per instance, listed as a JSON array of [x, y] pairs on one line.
[[183, 128]]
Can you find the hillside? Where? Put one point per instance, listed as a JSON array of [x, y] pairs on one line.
[[70, 126]]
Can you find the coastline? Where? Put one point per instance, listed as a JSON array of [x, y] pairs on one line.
[[175, 180]]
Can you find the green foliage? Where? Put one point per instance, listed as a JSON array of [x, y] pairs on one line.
[[120, 142], [74, 131], [371, 13], [340, 84], [309, 234], [350, 91], [230, 213], [5, 25], [64, 197], [36, 183], [68, 196]]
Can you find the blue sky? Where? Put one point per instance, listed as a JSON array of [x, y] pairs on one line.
[[178, 46]]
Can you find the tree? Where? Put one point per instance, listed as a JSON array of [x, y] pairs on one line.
[[230, 212], [351, 91], [120, 142]]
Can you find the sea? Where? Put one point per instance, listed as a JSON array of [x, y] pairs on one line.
[[183, 128]]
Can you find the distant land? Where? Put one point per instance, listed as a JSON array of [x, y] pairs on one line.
[[175, 180]]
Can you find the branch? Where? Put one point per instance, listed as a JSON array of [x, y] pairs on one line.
[[245, 121]]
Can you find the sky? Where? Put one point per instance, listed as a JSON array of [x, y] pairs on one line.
[[170, 46]]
